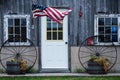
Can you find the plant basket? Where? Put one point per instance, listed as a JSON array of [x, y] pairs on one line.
[[95, 68], [13, 67]]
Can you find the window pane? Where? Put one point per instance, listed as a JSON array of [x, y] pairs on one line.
[[54, 26], [17, 22], [60, 27], [107, 30], [17, 30], [107, 21], [23, 38], [48, 35], [101, 30], [10, 22], [23, 30], [107, 38], [54, 35], [101, 21], [10, 37], [48, 26], [114, 21], [60, 36], [48, 19], [23, 22], [114, 29], [10, 30], [114, 38], [17, 38], [101, 38]]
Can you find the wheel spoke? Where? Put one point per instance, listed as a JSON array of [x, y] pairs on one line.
[[85, 52], [108, 56], [7, 58], [24, 49], [9, 50], [85, 56], [29, 55], [6, 54], [108, 52], [85, 62], [28, 59], [28, 51], [89, 49]]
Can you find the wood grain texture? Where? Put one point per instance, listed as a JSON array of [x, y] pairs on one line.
[[79, 27]]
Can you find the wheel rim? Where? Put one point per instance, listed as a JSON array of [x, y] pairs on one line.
[[88, 48], [15, 50]]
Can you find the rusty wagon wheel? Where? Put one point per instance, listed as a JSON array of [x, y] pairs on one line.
[[96, 46], [18, 49]]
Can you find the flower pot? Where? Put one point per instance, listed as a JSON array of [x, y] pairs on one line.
[[13, 67], [95, 68]]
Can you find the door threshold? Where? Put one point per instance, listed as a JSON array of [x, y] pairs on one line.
[[55, 71]]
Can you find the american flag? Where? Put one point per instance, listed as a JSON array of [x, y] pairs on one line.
[[53, 13]]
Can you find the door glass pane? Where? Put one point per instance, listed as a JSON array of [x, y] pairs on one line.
[[54, 26], [48, 26], [54, 30], [54, 35], [60, 36], [48, 35], [60, 27]]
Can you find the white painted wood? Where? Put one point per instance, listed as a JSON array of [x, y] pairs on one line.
[[54, 53], [6, 17]]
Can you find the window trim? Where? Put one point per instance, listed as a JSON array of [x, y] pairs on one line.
[[6, 17], [106, 16]]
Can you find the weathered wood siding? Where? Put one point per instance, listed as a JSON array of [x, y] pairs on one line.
[[79, 27]]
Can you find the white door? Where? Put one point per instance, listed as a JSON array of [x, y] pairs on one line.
[[54, 47]]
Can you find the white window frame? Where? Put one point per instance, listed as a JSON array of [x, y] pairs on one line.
[[6, 17], [106, 16]]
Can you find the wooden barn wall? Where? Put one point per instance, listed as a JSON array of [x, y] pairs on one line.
[[15, 7], [82, 27], [79, 27]]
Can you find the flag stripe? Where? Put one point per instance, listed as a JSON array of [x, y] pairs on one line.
[[59, 13], [53, 13]]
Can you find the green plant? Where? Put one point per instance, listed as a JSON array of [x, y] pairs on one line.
[[78, 70], [33, 71], [23, 64], [103, 61]]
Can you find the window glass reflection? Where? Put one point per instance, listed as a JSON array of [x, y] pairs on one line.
[[101, 21], [107, 21]]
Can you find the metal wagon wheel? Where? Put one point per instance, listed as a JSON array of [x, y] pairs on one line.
[[94, 46], [18, 49]]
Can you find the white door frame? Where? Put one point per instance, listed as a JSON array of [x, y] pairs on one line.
[[55, 68]]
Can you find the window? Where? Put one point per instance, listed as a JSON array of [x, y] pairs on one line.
[[16, 26], [54, 30], [107, 27]]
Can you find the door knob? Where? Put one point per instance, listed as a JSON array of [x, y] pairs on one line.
[[66, 42]]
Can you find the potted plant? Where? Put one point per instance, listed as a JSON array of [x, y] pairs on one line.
[[98, 65], [15, 66]]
